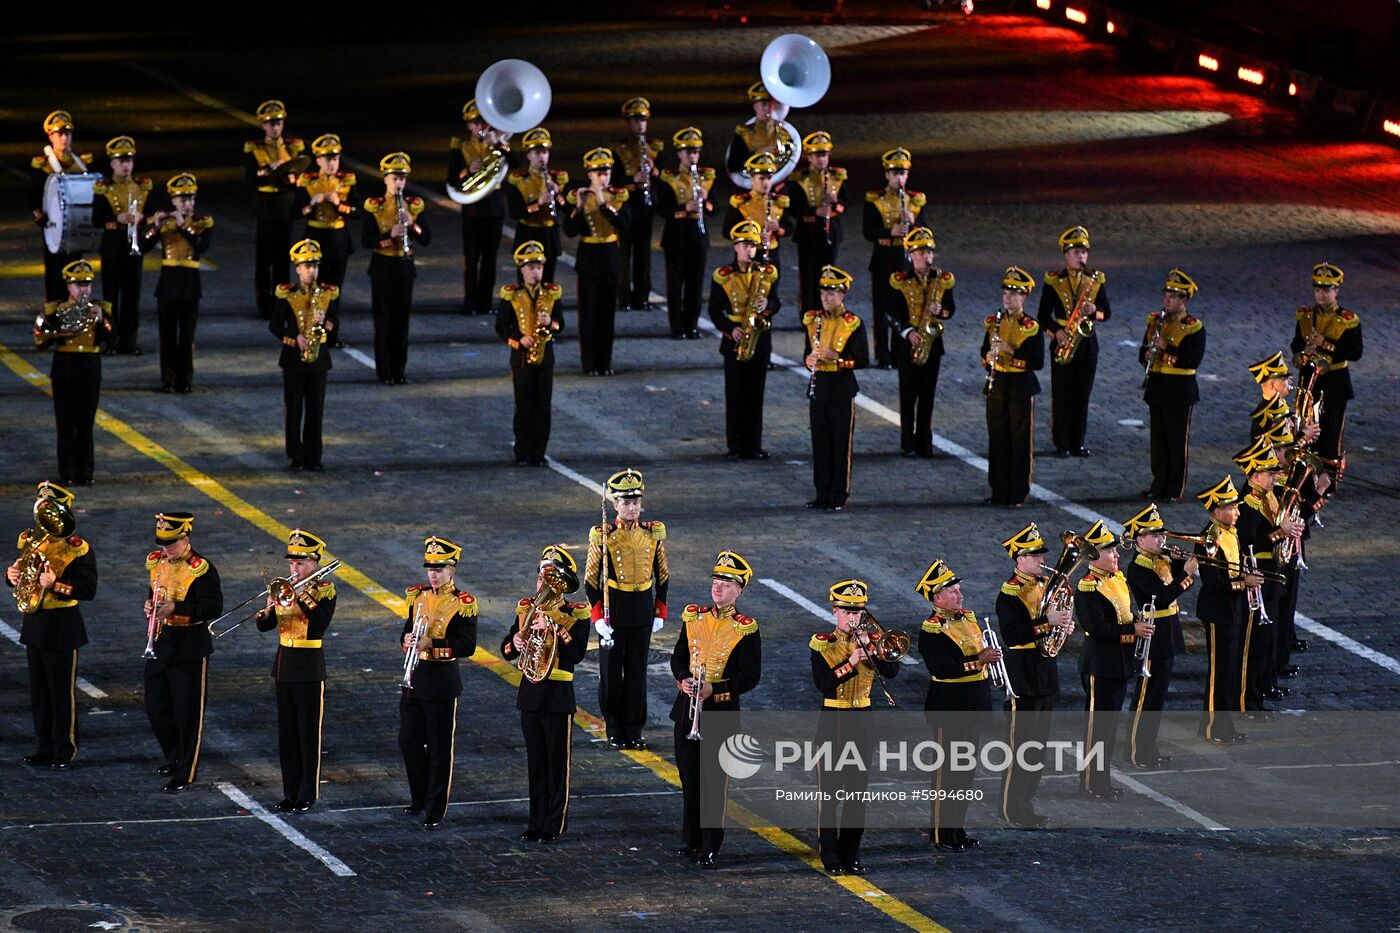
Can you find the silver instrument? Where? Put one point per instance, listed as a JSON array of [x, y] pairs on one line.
[[415, 646], [68, 320], [1143, 648], [698, 193], [645, 158], [994, 349], [133, 237], [405, 241], [997, 669], [816, 345], [1153, 330], [153, 624], [284, 592], [1255, 594], [697, 678]]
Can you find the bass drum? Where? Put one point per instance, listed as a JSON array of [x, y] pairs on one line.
[[785, 168], [68, 207]]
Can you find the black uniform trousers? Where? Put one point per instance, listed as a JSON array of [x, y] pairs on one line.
[[948, 810], [548, 746], [841, 822], [177, 318], [300, 708], [391, 298], [1148, 703], [427, 739], [549, 238], [598, 266], [812, 254], [622, 678], [744, 385], [635, 288], [685, 279], [175, 693], [304, 398], [481, 242], [121, 286], [77, 384], [887, 306], [534, 394], [1101, 695], [271, 265], [53, 677], [55, 289], [917, 387], [1010, 444], [704, 785], [1028, 721], [1171, 445], [1331, 427], [1070, 387], [1287, 608], [1259, 655], [1224, 652], [833, 426]]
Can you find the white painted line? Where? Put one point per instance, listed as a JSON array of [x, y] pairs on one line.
[[575, 475], [1194, 816], [9, 633], [359, 356], [803, 601], [1346, 643], [295, 837], [83, 683]]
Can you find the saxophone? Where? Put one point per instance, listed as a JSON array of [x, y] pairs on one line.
[[929, 327], [541, 645], [534, 355], [310, 323], [1079, 324], [754, 322]]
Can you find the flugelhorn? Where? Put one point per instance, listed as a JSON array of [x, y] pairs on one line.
[[996, 670], [697, 686], [284, 592]]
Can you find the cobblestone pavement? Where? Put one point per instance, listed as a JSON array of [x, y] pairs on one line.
[[1018, 130]]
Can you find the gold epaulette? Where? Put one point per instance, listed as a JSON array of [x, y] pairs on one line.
[[332, 291], [38, 162], [198, 565], [621, 194], [837, 174], [580, 611], [917, 199], [23, 537], [822, 641], [525, 602], [455, 142], [517, 176], [1190, 325], [347, 177], [468, 607], [201, 224], [691, 613], [851, 319], [373, 204], [933, 626], [595, 535], [810, 317], [99, 186], [1029, 324], [77, 545], [873, 196], [1088, 584], [1052, 277], [552, 287], [415, 589], [152, 559], [1144, 560], [947, 280], [1349, 318], [897, 278], [283, 291], [144, 183], [745, 625], [722, 273], [658, 530], [707, 174], [413, 205], [769, 270], [249, 146], [1011, 587], [736, 199], [561, 177], [508, 290], [783, 200], [295, 146]]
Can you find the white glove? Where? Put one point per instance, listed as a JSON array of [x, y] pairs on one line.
[[656, 624], [605, 632]]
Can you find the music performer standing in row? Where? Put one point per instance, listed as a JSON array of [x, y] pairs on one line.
[[839, 348], [1103, 604], [326, 198], [765, 207], [1312, 497], [1221, 606], [547, 704], [843, 673], [818, 202], [77, 329], [890, 213], [683, 199], [766, 135], [956, 656], [58, 158], [305, 321], [626, 580], [1013, 348], [1275, 386], [528, 321], [535, 198], [441, 629], [184, 238], [1153, 575], [1074, 291], [484, 220], [636, 154], [63, 572], [598, 215], [118, 204], [926, 301], [299, 671], [720, 655], [742, 306], [270, 166], [1328, 337], [1033, 673], [1172, 347], [394, 228], [183, 598]]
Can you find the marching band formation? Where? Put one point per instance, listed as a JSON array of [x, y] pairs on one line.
[[1245, 562]]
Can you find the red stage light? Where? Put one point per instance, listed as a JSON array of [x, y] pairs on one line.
[[1251, 75], [1207, 62], [1392, 127], [1076, 16]]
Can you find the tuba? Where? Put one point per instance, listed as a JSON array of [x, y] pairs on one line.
[[541, 645], [1074, 556], [512, 97], [929, 327], [52, 519], [754, 323]]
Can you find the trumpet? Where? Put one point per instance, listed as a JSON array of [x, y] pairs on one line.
[[697, 685], [880, 645], [153, 623], [1255, 594], [412, 654], [997, 669], [1075, 555], [284, 592], [1153, 329], [1144, 645]]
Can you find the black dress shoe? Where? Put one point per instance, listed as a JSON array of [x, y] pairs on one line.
[[339, 344], [968, 842], [834, 869], [284, 806], [614, 742], [835, 507], [174, 786], [707, 860], [925, 454], [432, 822], [413, 809], [387, 382], [637, 743], [167, 388], [134, 351], [317, 467], [993, 500], [84, 481], [301, 806], [1289, 671], [816, 504], [606, 372], [908, 453], [678, 336], [1299, 644], [530, 836], [949, 845], [401, 380], [884, 364], [692, 335], [1112, 793], [1062, 451], [1016, 505], [184, 390], [854, 867], [1081, 452], [1031, 820], [38, 761], [59, 765], [522, 461], [165, 770], [547, 838]]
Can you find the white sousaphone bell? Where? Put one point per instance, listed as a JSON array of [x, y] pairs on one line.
[[512, 96], [797, 73]]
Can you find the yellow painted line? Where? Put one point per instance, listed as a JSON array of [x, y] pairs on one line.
[[886, 903]]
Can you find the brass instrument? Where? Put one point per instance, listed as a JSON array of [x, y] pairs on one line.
[[133, 238], [928, 327], [52, 519], [542, 645], [1207, 541], [1143, 648], [1079, 325], [755, 322], [71, 319], [1307, 409], [1312, 358], [994, 350], [697, 678], [1255, 594], [880, 645], [534, 355], [406, 240], [645, 159], [1075, 555], [996, 670], [153, 624], [312, 325], [487, 178], [413, 653], [1305, 464], [1154, 328], [698, 193], [284, 592], [904, 217]]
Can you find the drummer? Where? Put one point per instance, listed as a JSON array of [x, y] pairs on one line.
[[58, 158]]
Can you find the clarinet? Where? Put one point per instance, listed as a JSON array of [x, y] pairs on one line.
[[699, 194], [816, 345]]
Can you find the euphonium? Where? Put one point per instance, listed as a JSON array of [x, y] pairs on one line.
[[754, 323], [929, 327], [1074, 556], [52, 519], [541, 645]]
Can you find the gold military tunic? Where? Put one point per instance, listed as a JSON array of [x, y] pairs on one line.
[[528, 304], [531, 185], [831, 331], [59, 552], [385, 212], [836, 648], [742, 288], [599, 223], [87, 341], [172, 579], [325, 215]]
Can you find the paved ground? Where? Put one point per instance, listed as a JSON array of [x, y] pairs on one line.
[[1018, 131]]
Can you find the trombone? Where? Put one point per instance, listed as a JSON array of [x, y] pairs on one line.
[[284, 592], [1209, 558]]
